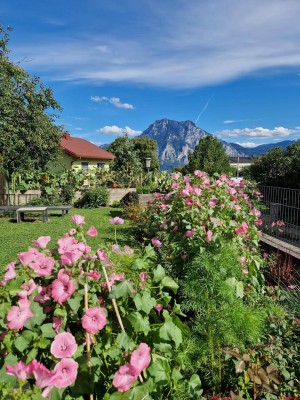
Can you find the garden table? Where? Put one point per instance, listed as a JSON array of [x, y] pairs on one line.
[[22, 210]]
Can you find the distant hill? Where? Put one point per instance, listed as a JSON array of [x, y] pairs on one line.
[[175, 139], [261, 149]]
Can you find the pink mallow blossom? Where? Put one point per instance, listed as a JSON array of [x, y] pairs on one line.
[[140, 358], [18, 315], [92, 274], [20, 370], [42, 241], [77, 219], [64, 345], [42, 265], [209, 236], [124, 377], [243, 228], [116, 221], [65, 373], [158, 308], [43, 295], [57, 323], [92, 231], [94, 320], [62, 287], [190, 233], [27, 257], [156, 242], [10, 272], [28, 289], [43, 376], [103, 257], [143, 276]]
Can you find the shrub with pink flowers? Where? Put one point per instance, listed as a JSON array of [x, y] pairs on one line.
[[198, 212], [82, 324]]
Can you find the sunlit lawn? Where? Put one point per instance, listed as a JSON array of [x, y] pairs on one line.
[[15, 238]]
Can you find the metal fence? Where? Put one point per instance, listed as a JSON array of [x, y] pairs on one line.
[[280, 209]]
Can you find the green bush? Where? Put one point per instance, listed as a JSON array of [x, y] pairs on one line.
[[94, 198], [129, 199], [146, 189]]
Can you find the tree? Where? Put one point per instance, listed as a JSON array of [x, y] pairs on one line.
[[271, 168], [278, 168], [29, 139], [209, 156], [146, 148]]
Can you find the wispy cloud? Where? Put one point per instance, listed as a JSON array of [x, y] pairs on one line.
[[183, 50], [114, 101], [247, 144], [258, 132], [115, 130]]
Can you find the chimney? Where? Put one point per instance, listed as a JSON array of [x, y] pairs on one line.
[[67, 135]]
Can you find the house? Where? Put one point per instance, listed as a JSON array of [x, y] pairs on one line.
[[240, 162], [80, 154]]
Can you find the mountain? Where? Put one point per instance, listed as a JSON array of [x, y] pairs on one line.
[[175, 139], [261, 149]]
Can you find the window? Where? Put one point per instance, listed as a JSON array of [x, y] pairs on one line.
[[85, 166], [100, 165]]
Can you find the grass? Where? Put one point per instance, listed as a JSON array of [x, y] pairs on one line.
[[15, 238]]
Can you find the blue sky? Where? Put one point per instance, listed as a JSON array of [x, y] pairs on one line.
[[231, 66]]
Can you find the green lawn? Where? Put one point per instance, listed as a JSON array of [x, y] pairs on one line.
[[15, 238]]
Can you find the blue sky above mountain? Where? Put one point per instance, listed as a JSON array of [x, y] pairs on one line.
[[231, 66]]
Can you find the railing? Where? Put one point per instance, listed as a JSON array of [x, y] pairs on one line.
[[280, 209]]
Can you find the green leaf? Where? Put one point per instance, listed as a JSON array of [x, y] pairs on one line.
[[170, 332], [62, 313], [122, 289], [195, 387], [185, 330], [38, 316], [43, 343], [124, 341], [56, 394], [163, 347], [31, 355], [23, 341], [159, 274], [150, 252], [239, 290], [139, 323], [144, 303], [114, 352], [168, 282], [159, 370], [75, 303], [48, 331], [139, 264], [176, 375]]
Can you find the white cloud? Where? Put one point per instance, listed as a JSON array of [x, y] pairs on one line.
[[247, 144], [258, 132], [115, 130], [200, 43], [113, 100], [229, 121]]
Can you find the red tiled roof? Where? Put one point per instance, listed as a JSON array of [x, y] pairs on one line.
[[81, 148]]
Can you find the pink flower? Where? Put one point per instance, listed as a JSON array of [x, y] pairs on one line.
[[175, 177], [77, 219], [94, 320], [292, 287], [92, 231], [209, 236], [10, 272], [116, 277], [18, 315], [20, 370], [70, 257], [93, 274], [72, 232], [43, 375], [143, 276], [190, 233], [64, 345], [140, 359], [187, 179], [42, 241], [243, 260], [116, 221], [245, 271], [212, 202], [44, 294], [28, 289], [28, 257], [103, 257], [65, 373], [156, 242], [57, 323], [297, 321], [63, 287], [159, 308], [124, 377], [243, 228], [42, 265]]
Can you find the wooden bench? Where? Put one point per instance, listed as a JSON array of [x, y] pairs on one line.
[[22, 210], [64, 209]]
